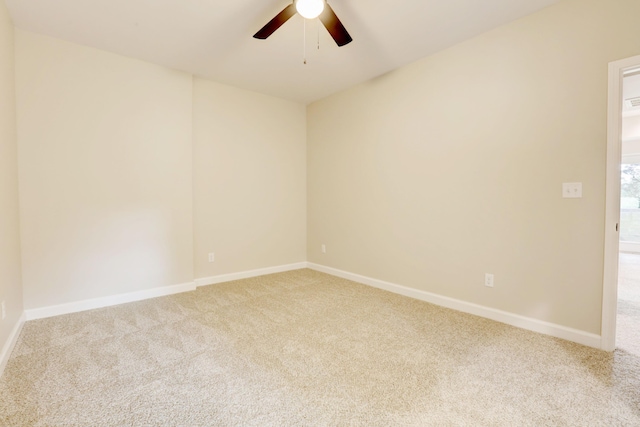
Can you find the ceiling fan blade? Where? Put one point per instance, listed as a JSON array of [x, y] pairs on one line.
[[276, 22], [331, 22]]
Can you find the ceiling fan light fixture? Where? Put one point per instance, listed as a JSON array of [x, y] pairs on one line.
[[310, 9]]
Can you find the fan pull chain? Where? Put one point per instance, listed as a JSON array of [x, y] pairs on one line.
[[318, 32], [304, 42]]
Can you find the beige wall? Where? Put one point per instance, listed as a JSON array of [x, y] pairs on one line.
[[126, 167], [451, 167], [10, 280], [249, 180], [105, 161]]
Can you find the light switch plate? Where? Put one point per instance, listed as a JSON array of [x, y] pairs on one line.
[[572, 190]]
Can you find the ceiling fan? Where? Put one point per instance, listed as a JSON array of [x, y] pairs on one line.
[[309, 9]]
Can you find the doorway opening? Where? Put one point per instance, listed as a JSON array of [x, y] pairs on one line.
[[621, 285], [628, 311]]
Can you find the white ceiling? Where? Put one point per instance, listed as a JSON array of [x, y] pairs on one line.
[[213, 38]]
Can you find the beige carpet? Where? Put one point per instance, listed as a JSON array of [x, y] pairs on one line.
[[306, 349]]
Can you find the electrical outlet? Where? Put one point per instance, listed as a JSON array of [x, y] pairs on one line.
[[212, 256], [488, 280], [4, 310], [324, 249]]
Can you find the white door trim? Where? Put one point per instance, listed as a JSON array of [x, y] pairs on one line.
[[612, 210]]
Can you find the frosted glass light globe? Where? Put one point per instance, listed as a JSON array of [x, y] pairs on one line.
[[310, 9]]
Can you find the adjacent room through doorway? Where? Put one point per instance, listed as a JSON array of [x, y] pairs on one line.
[[628, 316]]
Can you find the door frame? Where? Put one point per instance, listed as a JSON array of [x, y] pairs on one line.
[[612, 208]]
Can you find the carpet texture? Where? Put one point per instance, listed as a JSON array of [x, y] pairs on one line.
[[304, 348]]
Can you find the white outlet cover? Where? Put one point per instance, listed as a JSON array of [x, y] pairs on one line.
[[488, 280], [572, 190]]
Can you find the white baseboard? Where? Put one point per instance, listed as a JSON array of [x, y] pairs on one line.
[[629, 247], [512, 319], [535, 325], [212, 280], [90, 304], [8, 346]]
